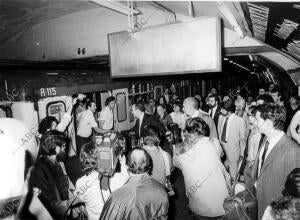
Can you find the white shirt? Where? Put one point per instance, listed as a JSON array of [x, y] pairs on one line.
[[86, 124], [140, 121], [107, 116], [228, 126], [213, 110], [272, 143], [89, 191], [64, 122], [178, 118]]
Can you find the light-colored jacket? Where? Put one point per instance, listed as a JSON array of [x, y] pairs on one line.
[[235, 145]]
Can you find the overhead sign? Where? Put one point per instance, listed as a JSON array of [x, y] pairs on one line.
[[192, 46]]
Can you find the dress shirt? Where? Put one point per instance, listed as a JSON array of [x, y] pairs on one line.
[[107, 116], [272, 142], [213, 110], [86, 124]]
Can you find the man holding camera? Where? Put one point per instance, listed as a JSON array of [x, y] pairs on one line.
[[141, 197]]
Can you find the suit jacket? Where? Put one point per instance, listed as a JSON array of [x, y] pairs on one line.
[[216, 116], [148, 120], [284, 157], [236, 139], [209, 121]]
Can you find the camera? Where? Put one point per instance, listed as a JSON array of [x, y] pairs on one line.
[[109, 146]]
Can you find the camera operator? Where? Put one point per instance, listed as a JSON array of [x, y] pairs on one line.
[[90, 187]]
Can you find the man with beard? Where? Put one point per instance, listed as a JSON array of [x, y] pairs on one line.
[[50, 175], [214, 108], [232, 133]]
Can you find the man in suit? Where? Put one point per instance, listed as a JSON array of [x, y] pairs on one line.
[[214, 108], [144, 119], [232, 135], [277, 157], [190, 108]]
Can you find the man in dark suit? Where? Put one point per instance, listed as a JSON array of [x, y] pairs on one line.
[[277, 156], [144, 119], [214, 108]]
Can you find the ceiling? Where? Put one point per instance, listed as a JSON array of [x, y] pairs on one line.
[[64, 26]]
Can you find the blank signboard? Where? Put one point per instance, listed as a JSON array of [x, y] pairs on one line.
[[185, 47]]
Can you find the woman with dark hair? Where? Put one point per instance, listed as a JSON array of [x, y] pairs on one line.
[[286, 207], [204, 174]]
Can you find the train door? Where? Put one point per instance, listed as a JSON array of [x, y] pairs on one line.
[[56, 107], [121, 119]]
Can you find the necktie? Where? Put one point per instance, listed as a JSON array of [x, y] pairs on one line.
[[223, 136], [264, 154], [211, 111]]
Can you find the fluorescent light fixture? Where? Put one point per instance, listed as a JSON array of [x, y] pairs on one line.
[[225, 11], [116, 7]]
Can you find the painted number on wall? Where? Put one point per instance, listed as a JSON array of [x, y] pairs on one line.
[[47, 91]]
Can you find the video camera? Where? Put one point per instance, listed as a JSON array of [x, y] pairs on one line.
[[109, 146]]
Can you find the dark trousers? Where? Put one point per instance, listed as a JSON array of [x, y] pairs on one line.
[[199, 217], [80, 141]]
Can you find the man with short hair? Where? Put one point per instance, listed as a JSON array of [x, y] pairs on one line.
[[141, 197], [106, 119], [86, 125], [190, 108], [277, 157], [214, 108], [144, 119], [232, 135], [276, 95]]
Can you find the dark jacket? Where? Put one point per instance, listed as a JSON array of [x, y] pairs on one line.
[[148, 120], [43, 179], [140, 198]]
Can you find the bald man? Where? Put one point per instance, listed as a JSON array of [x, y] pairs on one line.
[[142, 197], [190, 108]]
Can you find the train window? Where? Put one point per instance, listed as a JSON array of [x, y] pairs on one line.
[[56, 109], [121, 107]]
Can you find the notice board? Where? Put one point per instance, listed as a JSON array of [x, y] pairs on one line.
[[192, 46]]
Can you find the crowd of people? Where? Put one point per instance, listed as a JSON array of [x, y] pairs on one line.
[[223, 140]]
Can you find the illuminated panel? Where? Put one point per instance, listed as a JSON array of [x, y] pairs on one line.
[[186, 47]]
